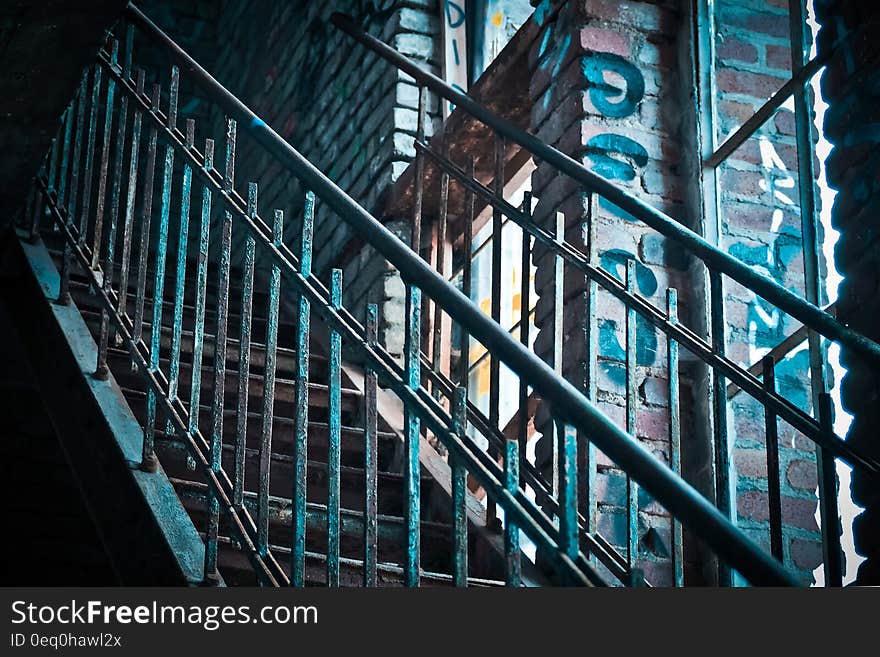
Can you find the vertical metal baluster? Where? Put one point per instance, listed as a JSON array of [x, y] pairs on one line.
[[105, 159], [180, 273], [335, 437], [371, 450], [566, 448], [81, 103], [558, 338], [723, 493], [36, 215], [90, 154], [69, 182], [64, 169], [828, 492], [101, 372], [466, 275], [525, 296], [146, 218], [201, 293], [149, 459], [774, 494], [412, 351], [413, 428], [269, 389], [674, 432], [459, 493], [127, 52], [244, 352], [804, 136], [28, 217], [632, 488], [301, 411], [219, 392], [52, 163], [437, 342], [513, 566], [495, 309], [130, 199], [587, 497]]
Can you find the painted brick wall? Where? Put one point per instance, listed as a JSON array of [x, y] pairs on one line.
[[850, 86], [350, 114], [761, 225], [627, 132]]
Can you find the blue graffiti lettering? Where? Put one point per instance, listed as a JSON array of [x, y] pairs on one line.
[[603, 93]]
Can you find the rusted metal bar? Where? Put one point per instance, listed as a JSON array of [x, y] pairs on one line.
[[774, 494], [587, 495], [201, 294], [52, 164], [513, 565], [525, 305], [674, 433], [269, 365], [180, 272], [218, 392], [459, 493], [244, 363], [371, 453], [467, 276], [90, 154], [412, 352], [301, 410], [76, 159], [149, 461], [495, 308], [109, 262], [105, 159], [334, 447], [146, 218], [131, 193], [440, 336], [64, 170], [632, 488], [721, 442], [832, 557]]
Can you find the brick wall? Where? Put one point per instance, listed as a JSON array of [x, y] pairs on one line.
[[628, 132], [761, 225], [849, 85], [350, 114]]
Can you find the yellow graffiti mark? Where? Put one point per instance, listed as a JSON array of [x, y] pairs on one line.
[[496, 19]]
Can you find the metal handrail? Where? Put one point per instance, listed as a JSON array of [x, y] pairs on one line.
[[741, 378], [714, 258], [681, 499]]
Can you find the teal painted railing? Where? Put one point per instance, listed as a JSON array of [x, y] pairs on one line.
[[241, 513]]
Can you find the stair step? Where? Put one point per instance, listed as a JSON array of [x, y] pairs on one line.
[[390, 486], [391, 530], [237, 570]]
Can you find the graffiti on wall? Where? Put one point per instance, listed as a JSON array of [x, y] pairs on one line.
[[615, 88], [765, 324]]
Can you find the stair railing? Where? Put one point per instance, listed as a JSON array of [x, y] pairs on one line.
[[756, 381], [92, 244]]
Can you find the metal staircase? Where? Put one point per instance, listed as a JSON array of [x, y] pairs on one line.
[[298, 445]]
